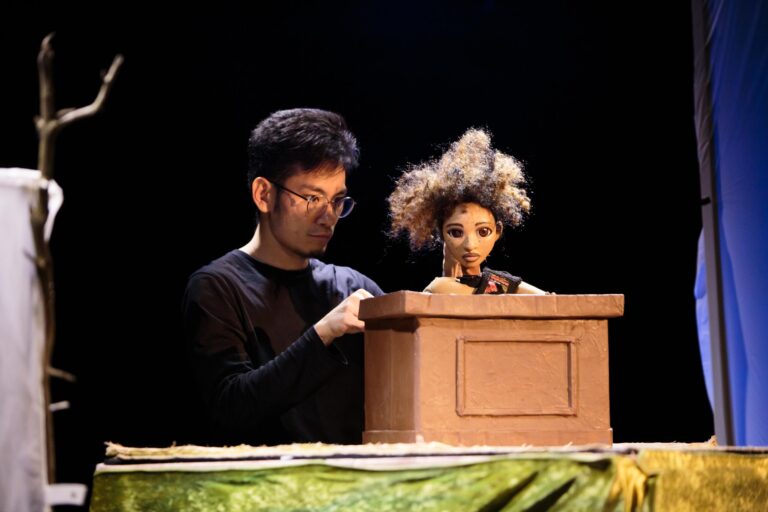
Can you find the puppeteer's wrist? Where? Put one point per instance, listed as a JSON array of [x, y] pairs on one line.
[[324, 333]]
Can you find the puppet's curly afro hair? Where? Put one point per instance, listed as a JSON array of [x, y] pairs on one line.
[[471, 171]]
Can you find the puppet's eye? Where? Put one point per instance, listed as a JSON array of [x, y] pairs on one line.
[[455, 233], [485, 232]]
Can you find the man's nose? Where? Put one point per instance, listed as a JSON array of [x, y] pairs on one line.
[[470, 242], [328, 216]]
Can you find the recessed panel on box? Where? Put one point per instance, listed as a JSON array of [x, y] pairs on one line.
[[512, 377]]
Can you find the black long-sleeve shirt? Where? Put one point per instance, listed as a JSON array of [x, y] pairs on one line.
[[264, 374]]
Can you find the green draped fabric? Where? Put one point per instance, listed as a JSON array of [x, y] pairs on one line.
[[631, 481], [509, 484]]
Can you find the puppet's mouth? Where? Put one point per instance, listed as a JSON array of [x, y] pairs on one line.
[[470, 257]]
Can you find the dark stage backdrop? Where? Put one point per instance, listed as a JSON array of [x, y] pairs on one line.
[[595, 100]]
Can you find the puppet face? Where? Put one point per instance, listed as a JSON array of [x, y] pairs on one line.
[[470, 233]]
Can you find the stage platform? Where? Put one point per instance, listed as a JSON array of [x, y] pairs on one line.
[[432, 476]]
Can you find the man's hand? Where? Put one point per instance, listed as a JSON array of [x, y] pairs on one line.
[[451, 267], [342, 319]]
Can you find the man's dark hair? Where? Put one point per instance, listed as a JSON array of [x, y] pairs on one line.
[[297, 140]]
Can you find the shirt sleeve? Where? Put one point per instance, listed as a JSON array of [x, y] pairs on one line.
[[371, 286], [237, 393]]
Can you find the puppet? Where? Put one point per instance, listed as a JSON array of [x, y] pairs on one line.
[[463, 200]]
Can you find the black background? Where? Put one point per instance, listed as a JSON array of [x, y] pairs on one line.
[[595, 99]]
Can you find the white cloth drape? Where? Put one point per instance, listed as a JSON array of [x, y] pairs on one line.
[[23, 477]]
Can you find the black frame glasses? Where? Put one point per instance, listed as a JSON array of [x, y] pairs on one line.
[[342, 206]]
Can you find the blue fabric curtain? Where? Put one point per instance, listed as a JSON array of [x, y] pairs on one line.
[[736, 36]]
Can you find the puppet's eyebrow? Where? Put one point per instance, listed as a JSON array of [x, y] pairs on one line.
[[459, 225]]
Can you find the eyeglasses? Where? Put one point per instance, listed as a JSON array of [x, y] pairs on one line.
[[342, 206]]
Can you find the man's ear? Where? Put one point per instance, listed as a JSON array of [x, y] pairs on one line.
[[261, 193], [499, 230]]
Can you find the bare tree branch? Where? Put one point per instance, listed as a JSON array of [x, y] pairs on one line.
[[48, 124], [45, 73], [106, 86], [61, 374]]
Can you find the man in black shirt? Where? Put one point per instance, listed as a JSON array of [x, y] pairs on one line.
[[273, 333]]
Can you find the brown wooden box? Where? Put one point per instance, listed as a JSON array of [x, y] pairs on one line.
[[487, 369]]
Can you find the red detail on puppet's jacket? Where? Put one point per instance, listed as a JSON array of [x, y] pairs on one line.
[[496, 285]]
